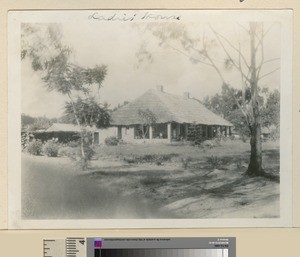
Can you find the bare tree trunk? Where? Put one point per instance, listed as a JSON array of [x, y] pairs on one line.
[[81, 130], [255, 165]]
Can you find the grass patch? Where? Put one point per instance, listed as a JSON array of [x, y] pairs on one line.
[[158, 159]]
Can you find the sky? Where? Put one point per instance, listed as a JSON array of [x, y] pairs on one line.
[[117, 44]]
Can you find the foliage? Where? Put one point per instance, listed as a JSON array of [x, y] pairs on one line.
[[246, 59], [74, 143], [89, 152], [185, 162], [25, 139], [68, 151], [158, 159], [224, 105], [43, 45], [275, 133], [271, 110], [35, 123], [240, 123], [111, 141], [35, 147], [26, 120], [89, 112], [195, 134], [62, 136], [51, 147], [214, 161]]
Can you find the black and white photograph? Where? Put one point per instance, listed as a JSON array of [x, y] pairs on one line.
[[149, 118]]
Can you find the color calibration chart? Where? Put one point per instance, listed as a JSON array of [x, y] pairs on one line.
[[140, 247]]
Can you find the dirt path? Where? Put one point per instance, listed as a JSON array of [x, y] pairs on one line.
[[56, 188], [195, 193]]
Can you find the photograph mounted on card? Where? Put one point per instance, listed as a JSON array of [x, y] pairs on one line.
[[149, 119]]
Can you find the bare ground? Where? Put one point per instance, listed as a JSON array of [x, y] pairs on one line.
[[146, 181]]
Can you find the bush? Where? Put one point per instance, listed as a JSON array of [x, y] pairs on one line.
[[73, 143], [111, 141], [185, 162], [275, 134], [195, 134], [35, 147], [51, 148], [158, 159], [214, 161], [71, 152], [26, 137], [89, 152]]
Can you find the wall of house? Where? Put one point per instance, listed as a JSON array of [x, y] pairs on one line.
[[127, 134], [107, 132]]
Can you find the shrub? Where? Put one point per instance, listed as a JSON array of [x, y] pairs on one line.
[[71, 152], [35, 147], [185, 162], [208, 143], [26, 137], [75, 153], [275, 134], [73, 143], [89, 152], [217, 141], [111, 141], [214, 161], [158, 159], [51, 148], [195, 134]]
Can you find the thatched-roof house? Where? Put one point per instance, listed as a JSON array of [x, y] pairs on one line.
[[171, 117], [155, 116], [63, 127], [61, 130]]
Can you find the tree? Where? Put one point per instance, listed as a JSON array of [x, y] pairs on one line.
[[35, 123], [26, 121], [271, 109], [43, 45], [224, 105], [90, 114], [147, 118], [248, 64]]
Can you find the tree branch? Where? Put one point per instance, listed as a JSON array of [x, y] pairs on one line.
[[232, 46], [269, 73], [262, 52], [237, 66], [224, 81], [244, 28], [190, 57], [271, 60], [244, 111]]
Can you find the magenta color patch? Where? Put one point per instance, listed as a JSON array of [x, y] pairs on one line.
[[97, 243]]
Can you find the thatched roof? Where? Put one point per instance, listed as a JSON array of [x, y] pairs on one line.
[[63, 127], [167, 108]]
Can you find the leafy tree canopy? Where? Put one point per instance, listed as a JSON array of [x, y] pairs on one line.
[[224, 105], [89, 113], [36, 123]]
